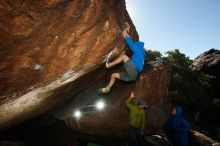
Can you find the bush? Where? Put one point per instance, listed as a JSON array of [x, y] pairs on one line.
[[190, 88], [188, 84], [153, 55]]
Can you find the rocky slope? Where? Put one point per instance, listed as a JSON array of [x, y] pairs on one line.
[[209, 63]]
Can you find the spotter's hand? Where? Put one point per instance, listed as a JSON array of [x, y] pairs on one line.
[[132, 94]]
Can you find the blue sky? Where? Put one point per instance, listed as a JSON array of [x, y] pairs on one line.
[[193, 26]]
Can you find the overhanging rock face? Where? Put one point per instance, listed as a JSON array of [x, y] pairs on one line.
[[51, 55], [47, 44], [42, 40]]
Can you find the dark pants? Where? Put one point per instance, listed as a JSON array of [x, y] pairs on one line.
[[135, 138]]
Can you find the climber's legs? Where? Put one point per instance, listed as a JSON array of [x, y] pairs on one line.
[[130, 74], [114, 76], [123, 58]]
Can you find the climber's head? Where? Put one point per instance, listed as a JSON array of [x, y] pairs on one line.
[[173, 112], [177, 110], [134, 101]]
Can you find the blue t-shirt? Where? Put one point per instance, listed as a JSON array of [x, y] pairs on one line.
[[138, 53]]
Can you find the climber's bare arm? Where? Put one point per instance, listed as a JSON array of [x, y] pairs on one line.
[[132, 95]]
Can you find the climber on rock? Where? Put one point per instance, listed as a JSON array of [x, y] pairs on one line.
[[136, 119], [133, 66]]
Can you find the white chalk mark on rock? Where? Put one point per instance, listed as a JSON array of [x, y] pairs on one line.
[[38, 67], [106, 24], [68, 74], [109, 55], [37, 48], [34, 99], [92, 3]]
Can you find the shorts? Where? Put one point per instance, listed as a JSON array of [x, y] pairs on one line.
[[131, 72]]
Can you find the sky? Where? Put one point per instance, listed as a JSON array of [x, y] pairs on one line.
[[192, 26]]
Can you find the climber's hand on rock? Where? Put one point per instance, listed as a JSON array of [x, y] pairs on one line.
[[125, 34], [127, 28]]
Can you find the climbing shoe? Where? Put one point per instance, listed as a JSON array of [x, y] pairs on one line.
[[104, 90]]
